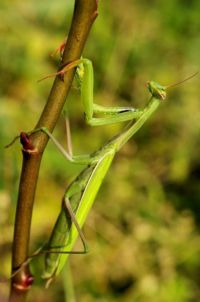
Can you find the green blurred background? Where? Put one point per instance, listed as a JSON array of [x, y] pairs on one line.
[[143, 230]]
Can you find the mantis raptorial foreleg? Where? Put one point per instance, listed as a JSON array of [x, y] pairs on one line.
[[112, 114]]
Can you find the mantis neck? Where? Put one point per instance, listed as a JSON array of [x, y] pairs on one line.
[[119, 140]]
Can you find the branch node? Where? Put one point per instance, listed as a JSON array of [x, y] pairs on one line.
[[26, 282], [27, 145]]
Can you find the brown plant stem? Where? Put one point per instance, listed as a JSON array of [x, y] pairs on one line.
[[85, 12]]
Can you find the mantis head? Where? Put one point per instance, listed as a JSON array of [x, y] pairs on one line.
[[157, 90]]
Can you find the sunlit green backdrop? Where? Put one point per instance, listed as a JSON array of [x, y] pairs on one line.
[[143, 231]]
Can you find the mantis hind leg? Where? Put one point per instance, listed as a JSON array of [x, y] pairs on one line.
[[57, 249], [53, 250], [73, 218]]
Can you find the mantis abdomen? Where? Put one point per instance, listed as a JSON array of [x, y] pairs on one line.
[[81, 195]]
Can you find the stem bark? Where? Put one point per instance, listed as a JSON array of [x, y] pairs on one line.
[[85, 12]]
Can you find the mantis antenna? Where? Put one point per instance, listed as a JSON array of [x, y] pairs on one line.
[[178, 83]]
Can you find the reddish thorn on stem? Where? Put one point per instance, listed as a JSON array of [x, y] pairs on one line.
[[60, 49], [26, 282], [26, 143]]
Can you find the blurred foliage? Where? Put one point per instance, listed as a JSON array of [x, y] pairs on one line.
[[143, 231]]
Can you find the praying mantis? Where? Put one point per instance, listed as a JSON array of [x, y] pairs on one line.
[[81, 193]]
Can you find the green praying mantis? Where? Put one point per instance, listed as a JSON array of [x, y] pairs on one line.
[[81, 193]]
